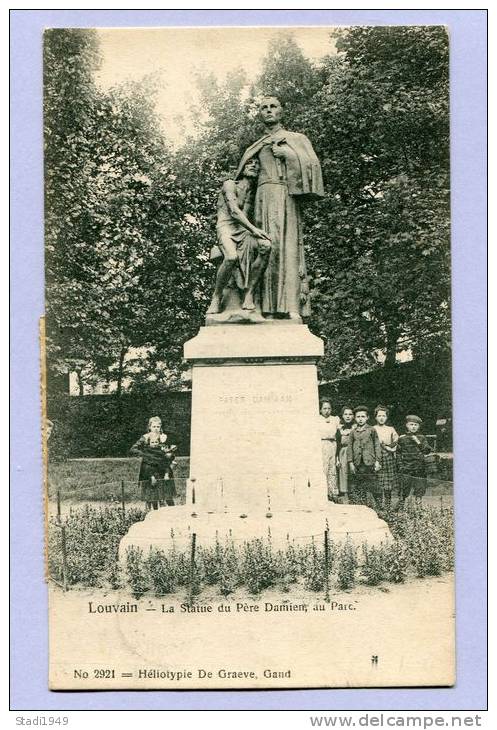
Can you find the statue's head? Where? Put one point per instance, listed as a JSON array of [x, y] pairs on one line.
[[270, 110], [251, 168]]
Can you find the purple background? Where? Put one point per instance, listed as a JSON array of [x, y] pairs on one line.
[[29, 655]]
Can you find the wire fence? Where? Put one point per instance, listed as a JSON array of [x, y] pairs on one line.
[[122, 491]]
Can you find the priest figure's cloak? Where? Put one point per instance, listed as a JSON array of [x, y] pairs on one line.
[[282, 185]]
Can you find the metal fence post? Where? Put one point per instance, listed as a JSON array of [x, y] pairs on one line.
[[192, 566], [64, 557], [326, 565], [123, 504], [58, 505]]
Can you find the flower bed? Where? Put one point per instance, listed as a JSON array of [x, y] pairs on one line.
[[423, 546]]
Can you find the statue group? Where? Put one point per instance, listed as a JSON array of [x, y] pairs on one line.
[[262, 272], [256, 452]]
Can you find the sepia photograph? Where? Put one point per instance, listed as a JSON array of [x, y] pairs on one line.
[[247, 358]]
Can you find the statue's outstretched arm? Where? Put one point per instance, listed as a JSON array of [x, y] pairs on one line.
[[229, 193]]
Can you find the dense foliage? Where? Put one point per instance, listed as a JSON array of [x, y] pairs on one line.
[[119, 260], [130, 220]]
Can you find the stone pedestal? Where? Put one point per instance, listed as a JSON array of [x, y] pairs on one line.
[[255, 429], [256, 464]]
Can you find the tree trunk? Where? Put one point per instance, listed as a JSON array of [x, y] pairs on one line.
[[392, 333], [120, 371], [81, 390]]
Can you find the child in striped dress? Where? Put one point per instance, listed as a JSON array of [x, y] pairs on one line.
[[387, 476]]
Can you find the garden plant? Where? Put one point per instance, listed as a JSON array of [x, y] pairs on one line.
[[423, 545]]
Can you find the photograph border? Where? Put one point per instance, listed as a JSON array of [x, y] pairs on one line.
[[29, 612]]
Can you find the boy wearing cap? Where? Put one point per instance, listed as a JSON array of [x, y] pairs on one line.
[[411, 451], [364, 457]]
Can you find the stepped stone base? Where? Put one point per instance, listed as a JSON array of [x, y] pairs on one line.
[[174, 526]]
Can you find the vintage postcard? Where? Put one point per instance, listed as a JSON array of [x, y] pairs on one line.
[[247, 350]]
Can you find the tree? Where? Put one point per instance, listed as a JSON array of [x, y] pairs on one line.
[[117, 263], [289, 75], [380, 248], [70, 59]]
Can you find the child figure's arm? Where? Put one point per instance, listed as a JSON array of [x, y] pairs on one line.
[[377, 449], [392, 448], [338, 439], [425, 446], [399, 454], [230, 196], [350, 452]]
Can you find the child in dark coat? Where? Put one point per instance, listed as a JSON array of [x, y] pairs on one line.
[[364, 456], [412, 449], [157, 458]]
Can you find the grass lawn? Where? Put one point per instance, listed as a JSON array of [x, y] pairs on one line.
[[89, 480], [99, 480]]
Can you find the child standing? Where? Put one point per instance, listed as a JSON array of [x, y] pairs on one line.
[[364, 455], [328, 425], [343, 434], [155, 466], [387, 476], [411, 451]]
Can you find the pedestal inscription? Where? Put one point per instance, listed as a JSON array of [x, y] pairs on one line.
[[255, 438]]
